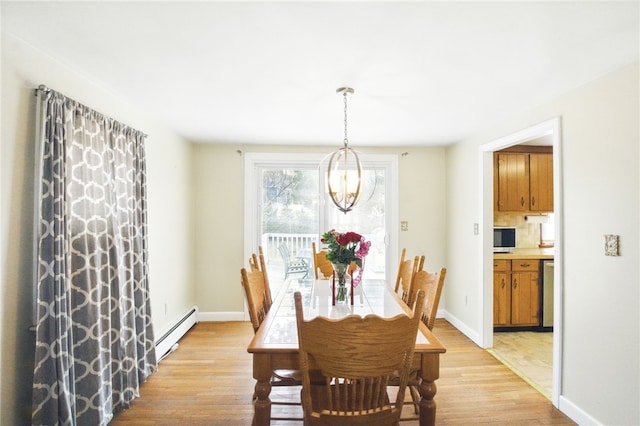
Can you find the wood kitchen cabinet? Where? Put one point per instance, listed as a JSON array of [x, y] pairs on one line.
[[541, 182], [523, 181], [516, 293], [501, 293]]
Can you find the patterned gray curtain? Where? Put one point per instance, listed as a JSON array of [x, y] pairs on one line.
[[94, 337]]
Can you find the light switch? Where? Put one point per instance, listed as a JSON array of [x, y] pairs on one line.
[[404, 225]]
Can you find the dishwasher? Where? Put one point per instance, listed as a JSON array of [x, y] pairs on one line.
[[547, 294]]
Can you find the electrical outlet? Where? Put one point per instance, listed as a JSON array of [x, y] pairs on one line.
[[476, 229], [404, 225]]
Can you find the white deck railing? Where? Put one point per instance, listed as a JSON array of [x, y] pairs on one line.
[[298, 244]]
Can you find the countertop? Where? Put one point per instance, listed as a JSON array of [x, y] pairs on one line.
[[529, 253]]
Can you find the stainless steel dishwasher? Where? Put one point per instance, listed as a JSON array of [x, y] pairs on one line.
[[547, 293]]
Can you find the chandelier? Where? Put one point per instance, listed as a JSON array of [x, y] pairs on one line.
[[344, 174]]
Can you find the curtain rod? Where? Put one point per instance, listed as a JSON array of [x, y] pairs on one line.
[[44, 89]]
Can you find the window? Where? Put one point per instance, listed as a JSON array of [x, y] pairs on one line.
[[285, 203]]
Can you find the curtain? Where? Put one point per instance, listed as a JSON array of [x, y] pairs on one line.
[[94, 336]]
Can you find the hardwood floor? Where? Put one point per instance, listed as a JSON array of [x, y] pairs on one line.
[[208, 381], [529, 354]]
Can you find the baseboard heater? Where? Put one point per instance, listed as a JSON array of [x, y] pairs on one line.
[[168, 341]]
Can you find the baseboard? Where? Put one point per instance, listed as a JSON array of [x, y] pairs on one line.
[[462, 327], [222, 316], [575, 413], [166, 342], [567, 407]]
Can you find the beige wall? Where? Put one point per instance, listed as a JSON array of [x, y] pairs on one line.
[[168, 181], [218, 176], [600, 140]]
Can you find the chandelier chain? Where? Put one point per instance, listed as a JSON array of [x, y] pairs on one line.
[[346, 141]]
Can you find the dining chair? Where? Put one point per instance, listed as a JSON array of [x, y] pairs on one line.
[[430, 283], [257, 263], [293, 265], [356, 356], [406, 271], [255, 291], [321, 263]]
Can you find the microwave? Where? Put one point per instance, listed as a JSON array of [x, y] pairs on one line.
[[504, 239]]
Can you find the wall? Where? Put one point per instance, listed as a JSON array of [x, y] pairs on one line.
[[23, 69], [600, 121], [218, 173]]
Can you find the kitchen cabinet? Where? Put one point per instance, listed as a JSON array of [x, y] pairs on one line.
[[523, 181], [541, 182], [516, 293], [501, 293]]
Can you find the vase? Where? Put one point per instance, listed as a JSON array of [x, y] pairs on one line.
[[342, 282]]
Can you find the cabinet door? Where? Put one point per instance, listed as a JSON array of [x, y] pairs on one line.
[[501, 298], [525, 298], [541, 182], [513, 182]]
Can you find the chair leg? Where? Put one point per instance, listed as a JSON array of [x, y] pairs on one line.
[[415, 396]]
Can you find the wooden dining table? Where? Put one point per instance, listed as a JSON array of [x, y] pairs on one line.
[[275, 344]]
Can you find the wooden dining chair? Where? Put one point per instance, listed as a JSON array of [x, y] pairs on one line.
[[293, 265], [321, 265], [430, 283], [257, 263], [255, 291], [406, 271], [356, 356]]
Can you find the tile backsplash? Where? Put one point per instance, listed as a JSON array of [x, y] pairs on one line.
[[527, 234]]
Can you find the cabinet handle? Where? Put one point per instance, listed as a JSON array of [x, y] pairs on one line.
[[522, 201], [525, 265], [503, 283], [533, 201], [515, 283]]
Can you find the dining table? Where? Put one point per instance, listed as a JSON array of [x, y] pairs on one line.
[[275, 344]]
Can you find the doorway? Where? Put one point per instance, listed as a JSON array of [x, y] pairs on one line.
[[548, 129]]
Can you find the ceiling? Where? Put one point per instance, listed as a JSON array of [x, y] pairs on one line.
[[424, 73]]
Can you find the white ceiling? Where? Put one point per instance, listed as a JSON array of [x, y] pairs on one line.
[[424, 73]]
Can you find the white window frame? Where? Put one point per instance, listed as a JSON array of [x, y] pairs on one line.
[[255, 160]]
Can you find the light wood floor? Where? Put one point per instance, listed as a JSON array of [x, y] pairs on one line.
[[529, 354], [208, 381]]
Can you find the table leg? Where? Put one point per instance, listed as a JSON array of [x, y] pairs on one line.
[[429, 373], [262, 404]]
